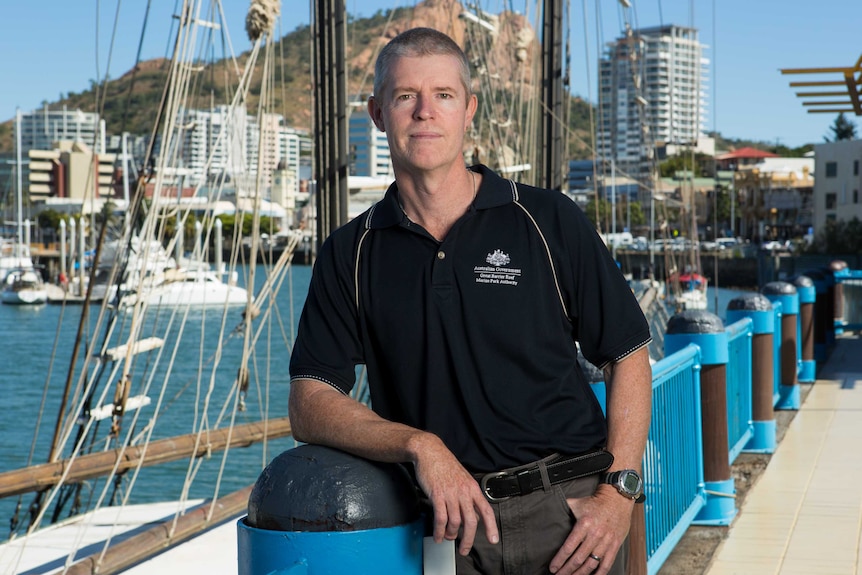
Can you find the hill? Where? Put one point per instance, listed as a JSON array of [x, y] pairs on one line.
[[130, 103]]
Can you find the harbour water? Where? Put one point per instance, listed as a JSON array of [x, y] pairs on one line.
[[28, 344]]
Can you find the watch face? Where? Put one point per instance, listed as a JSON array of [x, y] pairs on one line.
[[631, 482]]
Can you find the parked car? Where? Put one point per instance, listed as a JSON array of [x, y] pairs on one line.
[[776, 246], [727, 243]]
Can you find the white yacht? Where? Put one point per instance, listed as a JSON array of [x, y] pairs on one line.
[[13, 255], [188, 287], [23, 286]]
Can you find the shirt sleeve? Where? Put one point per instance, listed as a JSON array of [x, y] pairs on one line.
[[606, 316], [327, 347]]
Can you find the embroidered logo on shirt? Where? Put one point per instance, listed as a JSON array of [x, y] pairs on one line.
[[496, 273], [498, 258]]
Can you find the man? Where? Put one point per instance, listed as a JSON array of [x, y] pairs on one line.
[[464, 295]]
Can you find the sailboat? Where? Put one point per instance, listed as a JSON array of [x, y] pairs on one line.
[[159, 380], [24, 286], [20, 282]]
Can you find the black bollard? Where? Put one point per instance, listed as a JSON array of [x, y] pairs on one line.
[[331, 512]]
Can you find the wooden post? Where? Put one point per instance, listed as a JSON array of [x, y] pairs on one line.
[[759, 310], [807, 297], [706, 330], [785, 293], [637, 560], [713, 405]]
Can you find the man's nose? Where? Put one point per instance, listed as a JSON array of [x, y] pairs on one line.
[[424, 108]]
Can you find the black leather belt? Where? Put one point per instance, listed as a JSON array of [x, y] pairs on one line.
[[501, 485]]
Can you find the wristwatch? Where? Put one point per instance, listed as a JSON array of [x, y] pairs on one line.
[[627, 482]]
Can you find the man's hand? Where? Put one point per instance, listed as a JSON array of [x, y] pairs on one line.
[[602, 522], [455, 496]]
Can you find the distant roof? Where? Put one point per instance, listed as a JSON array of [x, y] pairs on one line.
[[746, 153]]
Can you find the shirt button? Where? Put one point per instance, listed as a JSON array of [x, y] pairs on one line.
[[441, 255]]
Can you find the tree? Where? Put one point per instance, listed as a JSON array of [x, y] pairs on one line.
[[838, 237], [842, 129]]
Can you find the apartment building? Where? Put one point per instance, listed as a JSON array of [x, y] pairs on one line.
[[653, 87], [40, 129], [839, 180], [369, 148]]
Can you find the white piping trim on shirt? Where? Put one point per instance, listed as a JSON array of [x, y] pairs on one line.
[[356, 268], [626, 354], [547, 249], [320, 379]]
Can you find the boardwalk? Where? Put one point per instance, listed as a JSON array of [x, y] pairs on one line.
[[804, 515]]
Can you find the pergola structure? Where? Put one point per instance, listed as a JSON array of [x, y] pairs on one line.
[[846, 90]]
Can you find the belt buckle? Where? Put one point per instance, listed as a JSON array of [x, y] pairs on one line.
[[483, 483]]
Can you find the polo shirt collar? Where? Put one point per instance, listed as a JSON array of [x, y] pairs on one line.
[[493, 192]]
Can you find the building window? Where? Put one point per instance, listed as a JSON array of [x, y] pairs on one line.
[[831, 169], [831, 200], [855, 167]]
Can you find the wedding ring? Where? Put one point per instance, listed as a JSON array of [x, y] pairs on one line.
[[596, 557]]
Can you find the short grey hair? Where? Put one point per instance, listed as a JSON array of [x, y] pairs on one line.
[[419, 42]]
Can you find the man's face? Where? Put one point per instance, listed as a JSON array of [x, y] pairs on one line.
[[424, 110]]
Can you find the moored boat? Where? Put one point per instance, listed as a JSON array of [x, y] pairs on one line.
[[23, 286]]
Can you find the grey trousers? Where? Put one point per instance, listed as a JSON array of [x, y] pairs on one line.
[[532, 529]]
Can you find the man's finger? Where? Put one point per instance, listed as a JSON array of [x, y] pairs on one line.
[[468, 531], [489, 519]]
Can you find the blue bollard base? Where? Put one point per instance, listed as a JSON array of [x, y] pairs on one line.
[[386, 550], [763, 438], [788, 397], [808, 374], [720, 506]]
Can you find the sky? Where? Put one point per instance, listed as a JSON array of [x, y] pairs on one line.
[[51, 47]]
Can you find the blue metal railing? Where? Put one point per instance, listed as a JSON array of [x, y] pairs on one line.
[[739, 419], [673, 461]]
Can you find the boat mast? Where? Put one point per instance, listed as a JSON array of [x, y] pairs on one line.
[[329, 76], [20, 217], [553, 112]]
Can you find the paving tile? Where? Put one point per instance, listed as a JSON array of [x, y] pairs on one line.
[[804, 515]]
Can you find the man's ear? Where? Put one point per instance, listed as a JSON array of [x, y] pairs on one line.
[[472, 106], [376, 113]]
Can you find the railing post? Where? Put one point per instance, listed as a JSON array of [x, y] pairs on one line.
[[839, 268], [319, 510], [829, 308], [706, 330], [807, 298], [789, 389], [821, 314], [759, 309]]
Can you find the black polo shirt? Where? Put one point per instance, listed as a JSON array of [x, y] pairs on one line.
[[473, 338]]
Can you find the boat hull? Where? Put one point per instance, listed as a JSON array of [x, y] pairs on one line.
[[24, 297]]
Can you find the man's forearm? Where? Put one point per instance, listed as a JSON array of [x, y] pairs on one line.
[[320, 414], [629, 404]]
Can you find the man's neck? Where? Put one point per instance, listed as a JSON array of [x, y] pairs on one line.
[[437, 203]]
